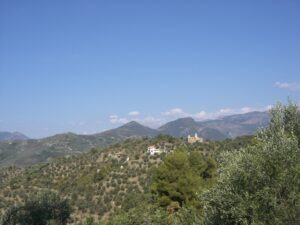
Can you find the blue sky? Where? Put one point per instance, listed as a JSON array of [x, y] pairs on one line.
[[87, 66]]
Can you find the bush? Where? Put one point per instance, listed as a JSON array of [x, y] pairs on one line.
[[46, 209], [261, 183]]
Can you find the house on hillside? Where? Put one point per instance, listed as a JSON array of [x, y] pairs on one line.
[[194, 139], [152, 150]]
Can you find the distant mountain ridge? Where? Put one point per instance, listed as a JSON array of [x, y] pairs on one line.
[[30, 151], [12, 136], [130, 129], [226, 127]]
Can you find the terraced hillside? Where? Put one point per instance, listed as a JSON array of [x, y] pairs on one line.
[[98, 182]]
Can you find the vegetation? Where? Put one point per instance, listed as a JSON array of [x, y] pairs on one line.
[[100, 183], [42, 210], [30, 152], [245, 181], [179, 179], [261, 183]]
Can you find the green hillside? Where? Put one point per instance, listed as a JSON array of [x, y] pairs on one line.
[[29, 152], [99, 182]]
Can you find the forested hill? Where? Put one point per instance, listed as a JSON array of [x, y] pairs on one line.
[[101, 181]]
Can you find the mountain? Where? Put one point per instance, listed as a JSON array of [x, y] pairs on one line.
[[12, 136], [238, 125], [29, 152], [131, 129], [220, 129], [181, 127]]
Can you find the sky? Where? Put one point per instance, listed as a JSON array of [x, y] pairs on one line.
[[86, 66]]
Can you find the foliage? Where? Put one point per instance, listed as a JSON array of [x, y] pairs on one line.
[[186, 216], [286, 117], [177, 180], [260, 185], [42, 210], [100, 183], [132, 200], [141, 215]]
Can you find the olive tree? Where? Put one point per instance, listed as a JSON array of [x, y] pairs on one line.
[[41, 210], [260, 184]]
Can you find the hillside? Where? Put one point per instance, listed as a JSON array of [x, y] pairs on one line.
[[12, 136], [29, 152], [181, 127], [101, 181], [96, 182]]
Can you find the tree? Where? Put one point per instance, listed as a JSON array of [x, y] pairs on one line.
[[42, 210], [143, 214], [178, 180], [260, 184], [286, 117]]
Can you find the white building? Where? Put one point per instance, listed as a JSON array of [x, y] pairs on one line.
[[194, 139], [152, 150]]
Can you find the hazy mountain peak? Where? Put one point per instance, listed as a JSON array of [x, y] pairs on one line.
[[12, 136], [186, 119], [132, 124]]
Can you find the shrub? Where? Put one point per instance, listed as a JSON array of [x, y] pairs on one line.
[[261, 183], [45, 209]]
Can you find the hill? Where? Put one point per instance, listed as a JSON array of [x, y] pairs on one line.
[[12, 136], [131, 129], [181, 127], [101, 181], [29, 152]]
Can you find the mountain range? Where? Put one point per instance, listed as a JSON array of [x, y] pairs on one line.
[[24, 152], [220, 129]]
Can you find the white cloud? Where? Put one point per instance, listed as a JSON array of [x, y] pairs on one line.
[[203, 115], [114, 119], [152, 121], [290, 86], [175, 112], [225, 111], [134, 113], [247, 109], [200, 115], [268, 107]]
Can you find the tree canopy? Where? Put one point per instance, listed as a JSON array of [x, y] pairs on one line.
[[46, 209], [179, 179], [260, 184]]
